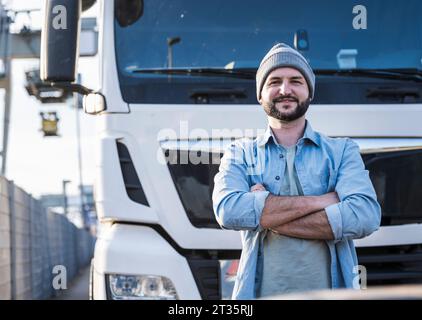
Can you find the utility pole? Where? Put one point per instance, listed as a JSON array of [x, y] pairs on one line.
[[65, 182], [5, 83], [78, 138], [6, 121], [170, 43]]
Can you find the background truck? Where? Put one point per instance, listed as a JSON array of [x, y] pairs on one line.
[[177, 85]]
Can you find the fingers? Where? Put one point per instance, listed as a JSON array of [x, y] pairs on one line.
[[257, 187]]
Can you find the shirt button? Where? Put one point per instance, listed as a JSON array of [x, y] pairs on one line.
[[277, 178]]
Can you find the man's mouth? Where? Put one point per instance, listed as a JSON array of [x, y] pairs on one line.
[[285, 100]]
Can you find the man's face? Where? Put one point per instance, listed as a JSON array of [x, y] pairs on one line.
[[285, 94]]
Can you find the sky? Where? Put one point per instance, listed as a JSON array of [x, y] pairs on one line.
[[36, 163]]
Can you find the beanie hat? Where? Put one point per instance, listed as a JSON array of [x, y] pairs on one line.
[[282, 55]]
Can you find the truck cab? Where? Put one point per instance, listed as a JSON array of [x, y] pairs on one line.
[[177, 86]]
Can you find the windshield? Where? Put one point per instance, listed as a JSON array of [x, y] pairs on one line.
[[236, 34]]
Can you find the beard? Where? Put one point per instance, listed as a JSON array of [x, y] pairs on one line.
[[271, 109]]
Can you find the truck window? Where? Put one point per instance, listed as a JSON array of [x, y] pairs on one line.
[[191, 37]]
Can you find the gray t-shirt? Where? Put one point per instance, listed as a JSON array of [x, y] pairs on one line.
[[293, 264]]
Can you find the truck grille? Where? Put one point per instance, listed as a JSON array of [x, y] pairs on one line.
[[392, 264]]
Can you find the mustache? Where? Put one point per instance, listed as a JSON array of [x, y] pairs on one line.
[[281, 98]]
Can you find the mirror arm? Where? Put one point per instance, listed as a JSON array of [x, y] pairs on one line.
[[72, 87]]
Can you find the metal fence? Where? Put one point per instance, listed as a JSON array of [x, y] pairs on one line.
[[5, 235], [33, 241]]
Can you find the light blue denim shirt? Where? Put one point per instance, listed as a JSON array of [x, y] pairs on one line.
[[323, 165]]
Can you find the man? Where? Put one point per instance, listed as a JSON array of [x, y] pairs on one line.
[[298, 197]]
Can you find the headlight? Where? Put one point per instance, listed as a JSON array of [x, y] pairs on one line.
[[145, 287]]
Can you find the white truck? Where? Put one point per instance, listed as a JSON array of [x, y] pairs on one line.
[[177, 84]]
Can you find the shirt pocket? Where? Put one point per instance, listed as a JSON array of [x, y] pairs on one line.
[[318, 182]]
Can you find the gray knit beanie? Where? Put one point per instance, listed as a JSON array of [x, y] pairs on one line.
[[281, 55]]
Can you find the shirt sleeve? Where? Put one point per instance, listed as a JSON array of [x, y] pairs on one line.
[[358, 213], [235, 207]]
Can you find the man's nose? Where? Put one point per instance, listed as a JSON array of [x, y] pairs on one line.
[[285, 89]]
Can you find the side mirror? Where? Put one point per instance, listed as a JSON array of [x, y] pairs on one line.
[[60, 50], [94, 103], [59, 40]]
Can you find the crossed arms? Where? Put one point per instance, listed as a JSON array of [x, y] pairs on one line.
[[297, 216], [352, 212]]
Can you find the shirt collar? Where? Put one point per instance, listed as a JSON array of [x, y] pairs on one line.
[[309, 134]]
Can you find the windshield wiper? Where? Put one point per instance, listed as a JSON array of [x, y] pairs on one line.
[[243, 73], [407, 74]]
